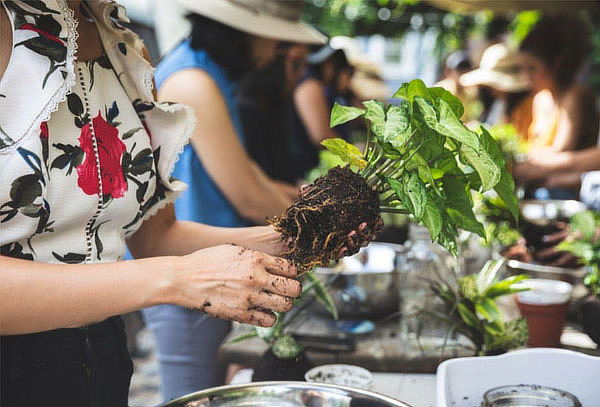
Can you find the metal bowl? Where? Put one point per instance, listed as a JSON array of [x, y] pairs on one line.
[[285, 394], [543, 213], [365, 285]]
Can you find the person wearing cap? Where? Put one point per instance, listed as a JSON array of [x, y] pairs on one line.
[[500, 73], [228, 40]]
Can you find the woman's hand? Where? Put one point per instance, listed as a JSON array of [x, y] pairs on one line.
[[232, 282], [361, 237]]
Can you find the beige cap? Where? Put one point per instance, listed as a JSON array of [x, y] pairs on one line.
[[275, 19], [500, 68]]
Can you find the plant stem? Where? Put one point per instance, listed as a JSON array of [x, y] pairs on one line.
[[387, 209]]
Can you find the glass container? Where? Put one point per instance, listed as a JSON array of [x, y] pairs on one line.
[[526, 395]]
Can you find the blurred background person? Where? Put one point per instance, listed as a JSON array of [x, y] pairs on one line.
[[456, 64], [326, 81], [565, 116], [228, 41], [503, 89], [266, 111]]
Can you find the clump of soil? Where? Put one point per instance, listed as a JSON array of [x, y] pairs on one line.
[[269, 367], [318, 223]]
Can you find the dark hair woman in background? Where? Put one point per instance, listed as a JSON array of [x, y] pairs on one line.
[[266, 109], [327, 81], [228, 41]]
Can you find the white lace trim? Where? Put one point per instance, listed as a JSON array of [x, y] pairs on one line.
[[176, 187], [61, 94]]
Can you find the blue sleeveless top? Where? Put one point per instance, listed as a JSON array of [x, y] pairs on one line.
[[203, 201]]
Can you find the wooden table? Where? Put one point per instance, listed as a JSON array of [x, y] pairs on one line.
[[378, 351]]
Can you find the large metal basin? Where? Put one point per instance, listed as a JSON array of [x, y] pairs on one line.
[[285, 394], [366, 285]]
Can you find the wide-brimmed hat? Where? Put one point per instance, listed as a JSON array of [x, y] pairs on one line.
[[275, 19], [500, 68]]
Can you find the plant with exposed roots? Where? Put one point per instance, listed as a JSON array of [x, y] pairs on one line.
[[419, 159]]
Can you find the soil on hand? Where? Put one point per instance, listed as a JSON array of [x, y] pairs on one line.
[[317, 225]]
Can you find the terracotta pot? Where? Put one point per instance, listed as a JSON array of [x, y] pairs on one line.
[[546, 323], [545, 307]]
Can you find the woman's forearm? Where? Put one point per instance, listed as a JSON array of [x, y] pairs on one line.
[[41, 296]]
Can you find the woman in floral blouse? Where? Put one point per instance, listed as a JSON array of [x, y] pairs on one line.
[[85, 161]]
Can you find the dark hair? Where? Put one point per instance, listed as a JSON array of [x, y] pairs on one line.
[[562, 43], [459, 61], [230, 48], [339, 61]]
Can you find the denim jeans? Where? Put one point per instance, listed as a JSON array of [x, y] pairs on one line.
[[187, 345], [76, 367]]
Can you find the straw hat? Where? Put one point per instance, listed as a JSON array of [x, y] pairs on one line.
[[275, 19], [500, 68]]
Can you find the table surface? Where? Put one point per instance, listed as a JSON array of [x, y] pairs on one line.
[[378, 351]]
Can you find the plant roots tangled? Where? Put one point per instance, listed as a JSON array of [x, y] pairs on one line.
[[317, 225]]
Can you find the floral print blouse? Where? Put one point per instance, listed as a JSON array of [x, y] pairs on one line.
[[85, 153]]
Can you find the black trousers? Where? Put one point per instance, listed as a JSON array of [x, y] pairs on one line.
[[79, 367]]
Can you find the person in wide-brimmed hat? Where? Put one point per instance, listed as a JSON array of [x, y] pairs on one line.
[[228, 40], [504, 88]]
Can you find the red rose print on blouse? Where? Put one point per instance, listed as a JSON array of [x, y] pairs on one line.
[[110, 151], [44, 130]]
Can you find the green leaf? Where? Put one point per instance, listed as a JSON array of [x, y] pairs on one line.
[[583, 250], [460, 205], [505, 287], [349, 153], [286, 347], [468, 316], [322, 294], [448, 124], [342, 114], [432, 219], [438, 93], [584, 223], [487, 275], [506, 191], [488, 171], [411, 90], [417, 195], [488, 310], [375, 114], [397, 125]]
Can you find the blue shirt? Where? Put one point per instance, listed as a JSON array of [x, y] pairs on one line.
[[203, 201]]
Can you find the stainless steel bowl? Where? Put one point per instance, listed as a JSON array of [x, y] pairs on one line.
[[543, 213], [285, 394], [365, 285]]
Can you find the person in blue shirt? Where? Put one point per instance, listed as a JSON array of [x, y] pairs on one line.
[[228, 40]]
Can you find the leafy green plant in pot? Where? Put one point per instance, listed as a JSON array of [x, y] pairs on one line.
[[584, 243], [285, 358], [471, 309], [419, 159]]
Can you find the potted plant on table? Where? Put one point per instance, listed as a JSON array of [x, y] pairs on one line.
[[285, 358], [471, 309], [584, 243]]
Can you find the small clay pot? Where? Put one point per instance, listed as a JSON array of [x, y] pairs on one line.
[[546, 323], [590, 317], [269, 367], [545, 307]]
